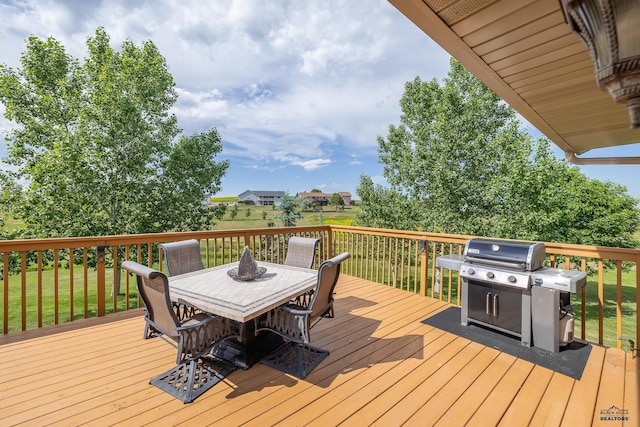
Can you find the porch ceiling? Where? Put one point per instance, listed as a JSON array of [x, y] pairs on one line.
[[527, 54]]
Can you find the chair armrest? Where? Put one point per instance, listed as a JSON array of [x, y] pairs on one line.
[[294, 310]]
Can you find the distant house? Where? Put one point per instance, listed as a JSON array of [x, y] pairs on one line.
[[322, 199], [262, 198], [346, 196]]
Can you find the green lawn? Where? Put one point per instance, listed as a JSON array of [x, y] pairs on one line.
[[255, 220], [84, 297]]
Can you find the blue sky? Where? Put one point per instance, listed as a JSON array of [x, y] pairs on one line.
[[299, 90]]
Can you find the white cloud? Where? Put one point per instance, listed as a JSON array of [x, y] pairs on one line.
[[288, 84], [308, 165]]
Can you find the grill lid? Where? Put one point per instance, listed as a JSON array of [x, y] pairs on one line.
[[525, 256]]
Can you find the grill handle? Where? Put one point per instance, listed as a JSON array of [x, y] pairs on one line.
[[487, 307], [495, 305], [519, 265]]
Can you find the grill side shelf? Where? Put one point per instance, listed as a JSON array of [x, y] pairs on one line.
[[451, 262]]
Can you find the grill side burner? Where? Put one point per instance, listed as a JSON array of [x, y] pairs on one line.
[[498, 281]]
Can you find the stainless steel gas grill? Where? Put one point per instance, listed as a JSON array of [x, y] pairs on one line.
[[505, 287]]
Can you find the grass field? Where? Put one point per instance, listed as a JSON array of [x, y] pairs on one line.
[[229, 199], [262, 216], [252, 217]]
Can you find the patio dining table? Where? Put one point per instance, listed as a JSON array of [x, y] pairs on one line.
[[214, 291]]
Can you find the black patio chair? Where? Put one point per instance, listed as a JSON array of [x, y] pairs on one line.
[[182, 257], [194, 337], [301, 251], [294, 320]]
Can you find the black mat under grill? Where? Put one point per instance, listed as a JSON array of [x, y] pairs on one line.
[[570, 360]]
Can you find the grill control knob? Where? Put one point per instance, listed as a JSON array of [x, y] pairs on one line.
[[490, 275], [470, 271], [512, 279]]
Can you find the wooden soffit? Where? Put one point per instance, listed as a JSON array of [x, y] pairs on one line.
[[525, 52]]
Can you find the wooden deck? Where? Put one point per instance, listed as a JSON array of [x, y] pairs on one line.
[[386, 368]]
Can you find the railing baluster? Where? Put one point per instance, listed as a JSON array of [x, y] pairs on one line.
[[127, 248], [101, 280], [600, 301], [619, 301], [5, 293], [56, 297], [450, 278], [85, 255], [23, 285], [71, 270], [39, 288], [583, 306]]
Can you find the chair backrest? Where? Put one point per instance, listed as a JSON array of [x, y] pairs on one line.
[[328, 274], [301, 251], [182, 257], [153, 287]]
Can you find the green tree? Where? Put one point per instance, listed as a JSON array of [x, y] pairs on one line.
[[304, 203], [336, 200], [97, 144], [458, 162], [595, 212], [382, 207], [234, 211], [289, 211]]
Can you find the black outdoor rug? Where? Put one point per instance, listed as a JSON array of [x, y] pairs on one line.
[[570, 360]]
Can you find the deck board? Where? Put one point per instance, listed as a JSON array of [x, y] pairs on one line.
[[552, 405], [461, 411], [439, 403], [385, 367], [631, 387], [611, 385], [501, 397], [582, 402], [528, 398]]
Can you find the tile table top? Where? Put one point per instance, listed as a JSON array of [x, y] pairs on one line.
[[214, 291]]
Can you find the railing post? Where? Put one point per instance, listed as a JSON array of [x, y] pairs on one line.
[[424, 261], [101, 281], [5, 292]]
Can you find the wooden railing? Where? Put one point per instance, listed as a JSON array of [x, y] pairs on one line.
[[50, 281]]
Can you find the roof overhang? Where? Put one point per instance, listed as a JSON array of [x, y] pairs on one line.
[[526, 53]]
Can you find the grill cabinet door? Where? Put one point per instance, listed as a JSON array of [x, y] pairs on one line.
[[496, 305], [479, 294], [508, 311]]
